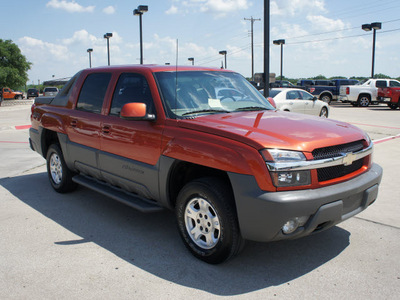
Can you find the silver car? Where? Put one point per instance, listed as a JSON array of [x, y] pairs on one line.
[[50, 91]]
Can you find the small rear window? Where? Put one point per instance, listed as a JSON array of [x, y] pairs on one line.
[[51, 89], [273, 93]]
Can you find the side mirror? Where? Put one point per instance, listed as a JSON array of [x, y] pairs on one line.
[[271, 101], [136, 112], [315, 98]]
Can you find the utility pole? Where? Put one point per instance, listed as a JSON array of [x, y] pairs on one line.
[[252, 20]]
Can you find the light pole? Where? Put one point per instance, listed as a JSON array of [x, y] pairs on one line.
[[90, 50], [368, 27], [280, 42], [223, 52], [192, 60], [266, 48], [108, 36], [139, 12]]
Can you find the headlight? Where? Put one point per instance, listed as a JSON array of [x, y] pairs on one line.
[[368, 138], [285, 156], [287, 178]]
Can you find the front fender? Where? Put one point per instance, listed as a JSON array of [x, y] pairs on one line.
[[219, 153]]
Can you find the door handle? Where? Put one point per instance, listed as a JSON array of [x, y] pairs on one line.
[[106, 129], [74, 123]]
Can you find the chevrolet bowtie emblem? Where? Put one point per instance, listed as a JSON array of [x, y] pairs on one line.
[[349, 158]]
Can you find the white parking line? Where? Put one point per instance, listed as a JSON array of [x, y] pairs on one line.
[[386, 139]]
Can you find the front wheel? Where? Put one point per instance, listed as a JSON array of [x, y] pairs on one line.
[[207, 220], [59, 175], [324, 112]]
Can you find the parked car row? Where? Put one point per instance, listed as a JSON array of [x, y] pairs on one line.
[[373, 91], [367, 93], [47, 92]]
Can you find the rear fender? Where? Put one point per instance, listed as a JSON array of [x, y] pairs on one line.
[[52, 122]]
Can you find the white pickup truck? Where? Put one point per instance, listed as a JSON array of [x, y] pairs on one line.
[[365, 94]]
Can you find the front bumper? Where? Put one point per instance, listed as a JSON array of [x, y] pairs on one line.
[[262, 214]]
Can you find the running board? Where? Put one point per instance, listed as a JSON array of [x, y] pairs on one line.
[[130, 199]]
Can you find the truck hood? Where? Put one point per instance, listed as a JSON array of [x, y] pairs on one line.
[[276, 129]]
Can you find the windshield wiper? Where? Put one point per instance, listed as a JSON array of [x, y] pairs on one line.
[[206, 111], [251, 108]]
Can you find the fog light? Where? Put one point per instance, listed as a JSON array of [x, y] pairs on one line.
[[292, 225], [291, 178]]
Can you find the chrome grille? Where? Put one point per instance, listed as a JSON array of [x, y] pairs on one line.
[[330, 173], [338, 150]]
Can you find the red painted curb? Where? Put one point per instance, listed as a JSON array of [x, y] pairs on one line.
[[23, 127]]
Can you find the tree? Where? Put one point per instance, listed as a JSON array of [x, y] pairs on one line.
[[319, 77], [381, 76], [13, 65]]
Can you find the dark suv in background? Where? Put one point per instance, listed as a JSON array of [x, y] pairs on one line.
[[32, 93]]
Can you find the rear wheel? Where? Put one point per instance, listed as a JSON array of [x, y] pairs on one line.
[[207, 220], [364, 100], [326, 98], [59, 175]]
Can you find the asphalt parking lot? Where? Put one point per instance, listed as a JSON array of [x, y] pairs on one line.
[[84, 245]]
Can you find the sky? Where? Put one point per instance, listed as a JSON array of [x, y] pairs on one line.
[[321, 37]]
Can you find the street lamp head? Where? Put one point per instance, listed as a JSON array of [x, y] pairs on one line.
[[191, 59], [376, 25], [90, 50], [223, 52], [140, 10], [279, 42], [143, 8], [366, 27], [108, 35]]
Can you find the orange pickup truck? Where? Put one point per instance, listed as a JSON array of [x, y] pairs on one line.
[[232, 168], [7, 93]]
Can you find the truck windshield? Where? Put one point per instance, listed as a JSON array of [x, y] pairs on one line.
[[195, 93]]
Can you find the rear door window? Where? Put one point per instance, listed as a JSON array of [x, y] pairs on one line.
[[93, 91], [381, 83]]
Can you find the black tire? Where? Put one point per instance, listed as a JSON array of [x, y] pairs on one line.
[[323, 113], [364, 100], [205, 207], [18, 97], [326, 98], [392, 105], [59, 175]]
